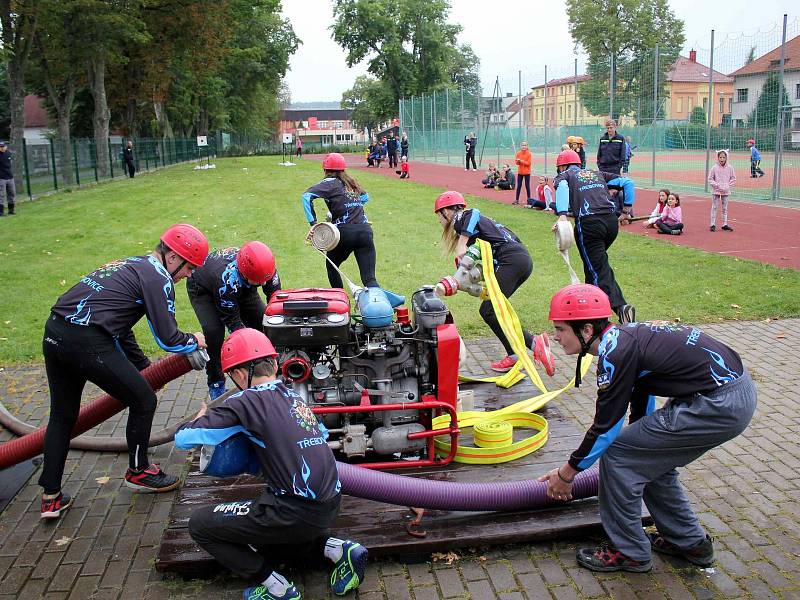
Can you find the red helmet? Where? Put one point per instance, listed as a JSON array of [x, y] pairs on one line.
[[244, 345], [448, 200], [751, 141], [568, 157], [334, 162], [188, 242], [579, 302], [255, 262]]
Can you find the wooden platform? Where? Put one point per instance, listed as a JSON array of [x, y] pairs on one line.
[[382, 527]]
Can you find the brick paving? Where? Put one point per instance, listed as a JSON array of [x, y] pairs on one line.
[[746, 493]]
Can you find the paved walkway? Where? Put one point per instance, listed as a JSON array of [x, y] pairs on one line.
[[746, 493], [761, 232]]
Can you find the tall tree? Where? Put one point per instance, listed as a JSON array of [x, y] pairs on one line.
[[371, 101], [626, 31], [408, 45], [765, 112], [18, 20]]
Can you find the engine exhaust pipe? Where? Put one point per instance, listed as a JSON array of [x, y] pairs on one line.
[[296, 369]]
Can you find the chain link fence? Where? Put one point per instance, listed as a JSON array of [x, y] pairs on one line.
[[675, 113]]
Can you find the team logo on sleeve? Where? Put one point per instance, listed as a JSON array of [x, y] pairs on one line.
[[304, 416]]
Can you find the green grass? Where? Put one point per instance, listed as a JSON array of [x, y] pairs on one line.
[[58, 239]]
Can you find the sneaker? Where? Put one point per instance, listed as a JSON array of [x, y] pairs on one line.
[[348, 572], [712, 228], [761, 174], [701, 555], [627, 314], [515, 203], [727, 228], [260, 592], [52, 508], [216, 389], [542, 354], [605, 559], [678, 231], [504, 364], [151, 479]]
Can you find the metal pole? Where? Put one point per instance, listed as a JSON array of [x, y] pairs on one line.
[[423, 118], [776, 175], [710, 110], [519, 101], [27, 168], [433, 123], [75, 160], [413, 123], [447, 123], [575, 99], [545, 118], [110, 158], [613, 88], [462, 112], [655, 119], [53, 163]]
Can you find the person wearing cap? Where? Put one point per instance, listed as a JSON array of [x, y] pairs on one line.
[[711, 399], [345, 200], [462, 227], [8, 189], [88, 337], [224, 295], [585, 195], [302, 495], [611, 149], [755, 159], [576, 143]]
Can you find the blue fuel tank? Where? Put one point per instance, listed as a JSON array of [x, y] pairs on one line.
[[376, 306]]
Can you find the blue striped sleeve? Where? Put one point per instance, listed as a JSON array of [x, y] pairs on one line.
[[308, 206], [471, 228], [601, 444], [562, 197], [627, 187], [364, 198]]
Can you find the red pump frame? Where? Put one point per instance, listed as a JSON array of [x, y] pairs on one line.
[[428, 402]]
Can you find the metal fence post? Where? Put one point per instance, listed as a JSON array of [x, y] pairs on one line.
[[93, 155], [433, 125], [613, 86], [53, 164], [27, 168], [110, 158], [655, 116], [710, 112], [545, 119], [75, 160], [422, 135], [575, 99], [776, 175], [447, 123]]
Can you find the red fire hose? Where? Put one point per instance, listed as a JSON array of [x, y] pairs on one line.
[[157, 375]]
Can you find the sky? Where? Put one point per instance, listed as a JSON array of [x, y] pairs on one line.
[[525, 35]]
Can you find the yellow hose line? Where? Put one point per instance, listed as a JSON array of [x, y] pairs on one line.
[[493, 430]]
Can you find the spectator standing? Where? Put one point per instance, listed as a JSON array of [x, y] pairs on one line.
[[611, 150], [524, 158], [8, 189], [721, 178], [628, 154], [755, 160], [470, 145], [298, 148], [391, 148], [404, 145], [127, 156]]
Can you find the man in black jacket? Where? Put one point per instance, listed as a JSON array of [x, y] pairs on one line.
[[127, 155], [8, 191], [611, 151], [391, 147]]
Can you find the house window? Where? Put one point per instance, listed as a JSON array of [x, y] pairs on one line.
[[569, 110], [705, 104], [680, 105], [741, 95], [322, 124], [689, 104], [796, 124], [721, 105], [560, 112], [338, 124], [797, 91]]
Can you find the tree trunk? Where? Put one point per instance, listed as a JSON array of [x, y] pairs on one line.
[[102, 116], [164, 126], [65, 146], [16, 101], [130, 118]]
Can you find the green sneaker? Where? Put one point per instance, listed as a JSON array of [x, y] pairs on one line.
[[260, 592], [348, 572]]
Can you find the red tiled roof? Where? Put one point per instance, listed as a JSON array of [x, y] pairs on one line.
[[35, 114], [686, 70], [563, 81], [771, 60]]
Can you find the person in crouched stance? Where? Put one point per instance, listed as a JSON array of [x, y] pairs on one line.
[[302, 494], [711, 399]]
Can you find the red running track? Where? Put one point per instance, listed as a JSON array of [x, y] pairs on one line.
[[768, 234]]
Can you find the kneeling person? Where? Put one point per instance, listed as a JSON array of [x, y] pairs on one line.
[[302, 496]]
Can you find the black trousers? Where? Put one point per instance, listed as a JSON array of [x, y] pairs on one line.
[[527, 180], [251, 311], [130, 169], [239, 534], [393, 159], [594, 236], [615, 168], [354, 239], [73, 355], [668, 227], [470, 157], [512, 269]]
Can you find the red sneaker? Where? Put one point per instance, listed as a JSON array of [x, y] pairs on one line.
[[542, 354], [52, 508], [151, 479], [504, 364], [606, 558]]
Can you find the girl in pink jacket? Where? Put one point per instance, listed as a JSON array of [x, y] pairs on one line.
[[671, 219], [721, 178]]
